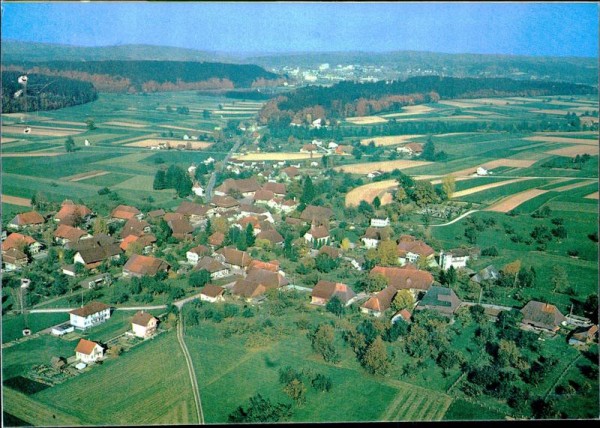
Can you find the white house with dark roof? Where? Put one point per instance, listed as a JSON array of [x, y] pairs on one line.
[[90, 315]]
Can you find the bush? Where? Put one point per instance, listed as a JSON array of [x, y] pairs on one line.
[[490, 251]]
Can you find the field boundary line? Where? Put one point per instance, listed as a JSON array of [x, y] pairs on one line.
[[191, 371]]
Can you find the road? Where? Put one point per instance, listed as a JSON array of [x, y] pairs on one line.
[[213, 176], [192, 373]]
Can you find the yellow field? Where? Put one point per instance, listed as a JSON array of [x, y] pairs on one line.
[[127, 124], [392, 140], [368, 192], [150, 142], [551, 139], [276, 156], [410, 110], [592, 196], [514, 201], [459, 104], [14, 200], [365, 120], [575, 150], [487, 186], [42, 131], [385, 166]]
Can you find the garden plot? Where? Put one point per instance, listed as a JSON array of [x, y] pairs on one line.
[[389, 141], [510, 203], [384, 166]]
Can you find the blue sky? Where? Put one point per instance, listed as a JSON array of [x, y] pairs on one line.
[[549, 29]]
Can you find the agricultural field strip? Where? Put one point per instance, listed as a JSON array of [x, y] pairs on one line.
[[573, 186], [511, 202], [486, 187], [126, 124], [391, 140], [35, 412], [191, 372], [592, 196], [15, 200], [572, 151], [385, 166], [553, 139], [36, 153], [84, 175], [392, 413]]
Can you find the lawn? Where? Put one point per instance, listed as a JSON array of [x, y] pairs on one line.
[[13, 325], [146, 385], [463, 410]]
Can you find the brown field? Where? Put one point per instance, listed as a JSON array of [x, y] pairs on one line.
[[575, 150], [4, 140], [83, 176], [14, 200], [127, 124], [592, 196], [150, 142], [550, 139], [487, 186], [515, 163], [368, 192], [573, 186], [389, 141], [410, 110], [365, 120], [279, 156], [385, 166], [31, 154], [43, 131], [514, 201]]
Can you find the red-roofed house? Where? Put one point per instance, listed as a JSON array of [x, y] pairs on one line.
[[317, 234], [125, 212], [212, 293], [405, 279], [66, 234], [139, 266], [379, 302], [71, 214], [88, 351], [21, 243], [409, 251], [30, 218], [323, 291]]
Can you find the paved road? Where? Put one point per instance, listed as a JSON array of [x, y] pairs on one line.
[[191, 372], [213, 177]]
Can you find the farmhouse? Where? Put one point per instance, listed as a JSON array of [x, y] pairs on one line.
[[410, 250], [380, 302], [272, 236], [93, 251], [214, 267], [267, 278], [143, 324], [156, 214], [216, 239], [245, 186], [291, 173], [248, 290], [405, 279], [23, 243], [584, 336], [195, 212], [71, 214], [413, 149], [323, 291], [234, 258], [144, 242], [212, 293], [379, 222], [182, 229], [140, 266], [14, 259], [332, 252], [263, 196], [125, 212], [440, 299], [542, 315], [373, 236], [277, 188], [88, 351], [30, 218], [318, 235], [65, 234], [273, 265], [90, 315], [221, 203], [308, 148]]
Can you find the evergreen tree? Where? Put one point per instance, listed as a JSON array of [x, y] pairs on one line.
[[428, 153], [250, 238], [159, 180], [308, 191]]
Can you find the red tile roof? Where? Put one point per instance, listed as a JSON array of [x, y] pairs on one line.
[[277, 188], [405, 279], [68, 232], [145, 265], [382, 300], [415, 247], [327, 289], [68, 211], [28, 218], [211, 290], [85, 346], [17, 240], [124, 212]]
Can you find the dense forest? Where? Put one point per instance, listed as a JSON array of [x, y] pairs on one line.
[[154, 76], [43, 92], [347, 99]]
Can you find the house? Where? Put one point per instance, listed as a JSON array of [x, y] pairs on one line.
[[14, 259], [316, 214], [135, 227], [212, 293], [482, 171], [402, 315], [95, 281], [343, 149], [93, 251], [65, 234], [88, 351], [272, 236], [542, 315], [267, 277], [456, 258], [258, 281], [195, 212], [143, 324], [140, 266], [584, 336], [244, 186], [291, 173], [489, 273], [156, 214], [440, 299], [323, 291], [374, 174], [72, 214], [182, 229], [410, 250], [173, 216], [126, 212], [379, 302], [414, 280], [144, 242], [263, 196], [23, 243], [373, 236], [234, 258], [214, 267], [90, 315], [273, 265], [308, 148], [318, 235], [278, 189], [194, 254], [332, 252], [216, 239], [378, 222], [221, 203], [413, 149], [30, 218]]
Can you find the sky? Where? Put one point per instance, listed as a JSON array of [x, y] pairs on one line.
[[512, 28]]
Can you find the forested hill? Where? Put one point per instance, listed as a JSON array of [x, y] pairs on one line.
[[44, 92], [347, 99], [151, 76]]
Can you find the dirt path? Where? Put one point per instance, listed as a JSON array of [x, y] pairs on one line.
[[460, 217], [191, 371], [14, 200]]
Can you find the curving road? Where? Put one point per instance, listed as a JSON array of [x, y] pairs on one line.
[[460, 217]]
